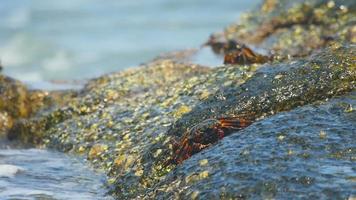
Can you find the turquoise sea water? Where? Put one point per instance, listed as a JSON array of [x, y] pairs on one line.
[[75, 39]]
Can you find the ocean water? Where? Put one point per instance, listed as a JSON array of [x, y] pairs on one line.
[[31, 174], [79, 39]]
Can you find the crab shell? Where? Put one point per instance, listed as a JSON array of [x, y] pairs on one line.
[[204, 134], [244, 55]]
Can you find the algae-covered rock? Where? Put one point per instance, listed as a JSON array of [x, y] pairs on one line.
[[13, 97], [14, 100], [292, 28], [280, 87], [18, 102], [129, 112], [309, 152], [125, 122]]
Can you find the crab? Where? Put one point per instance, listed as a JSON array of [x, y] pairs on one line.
[[244, 55], [235, 52], [204, 135]]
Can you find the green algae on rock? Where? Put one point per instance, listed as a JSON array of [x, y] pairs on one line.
[[14, 97], [292, 28], [16, 102], [280, 87], [276, 158], [131, 115], [121, 122]]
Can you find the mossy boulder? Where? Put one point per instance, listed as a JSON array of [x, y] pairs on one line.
[[306, 153], [125, 124], [292, 28], [14, 101]]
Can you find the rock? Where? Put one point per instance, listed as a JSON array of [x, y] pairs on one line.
[[280, 87], [130, 114], [306, 153], [292, 28], [13, 102], [17, 102], [135, 119]]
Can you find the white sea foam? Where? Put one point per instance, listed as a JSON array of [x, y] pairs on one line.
[[9, 170], [21, 192]]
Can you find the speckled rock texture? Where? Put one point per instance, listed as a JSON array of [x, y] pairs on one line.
[[17, 102], [292, 28], [302, 141], [306, 153]]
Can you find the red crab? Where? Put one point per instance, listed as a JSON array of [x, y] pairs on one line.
[[204, 134], [244, 55]]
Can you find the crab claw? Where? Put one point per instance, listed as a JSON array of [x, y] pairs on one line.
[[234, 123]]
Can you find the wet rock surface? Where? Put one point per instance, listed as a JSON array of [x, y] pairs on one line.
[[309, 152], [126, 125], [13, 100], [280, 87], [300, 144], [291, 28]]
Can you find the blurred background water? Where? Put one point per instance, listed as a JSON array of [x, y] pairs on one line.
[[76, 39]]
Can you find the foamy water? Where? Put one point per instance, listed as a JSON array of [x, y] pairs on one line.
[[44, 174], [9, 171]]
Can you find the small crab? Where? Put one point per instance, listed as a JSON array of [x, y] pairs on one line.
[[205, 134], [244, 55]]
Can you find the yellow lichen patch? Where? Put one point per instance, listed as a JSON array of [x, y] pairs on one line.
[[268, 6], [139, 172], [157, 153], [111, 181], [281, 137], [129, 161], [290, 152], [111, 95], [96, 151], [331, 4], [81, 149], [204, 174], [322, 134], [196, 177], [124, 161], [278, 76], [126, 137], [195, 194], [349, 109], [181, 111], [119, 160], [6, 121], [204, 95], [203, 162], [352, 34]]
